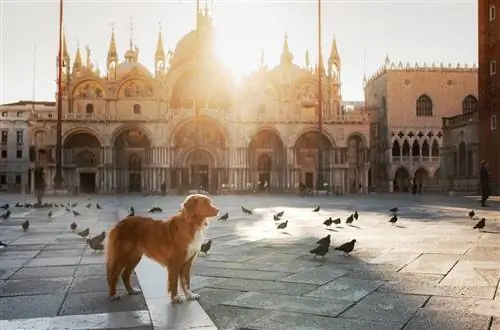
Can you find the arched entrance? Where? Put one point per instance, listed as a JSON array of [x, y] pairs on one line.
[[266, 153], [421, 178], [401, 180], [356, 157], [82, 151], [200, 148], [306, 153], [131, 148]]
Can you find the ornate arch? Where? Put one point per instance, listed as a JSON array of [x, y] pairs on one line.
[[184, 157], [34, 134], [269, 128], [136, 87], [125, 127], [89, 88], [79, 130], [399, 167], [326, 133], [183, 124], [363, 138]]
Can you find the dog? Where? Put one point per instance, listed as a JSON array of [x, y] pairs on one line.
[[173, 243]]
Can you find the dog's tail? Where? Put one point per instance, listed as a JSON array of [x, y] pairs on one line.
[[111, 252]]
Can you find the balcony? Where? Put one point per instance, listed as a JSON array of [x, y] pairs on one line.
[[460, 120]]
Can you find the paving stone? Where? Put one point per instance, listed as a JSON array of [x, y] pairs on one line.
[[316, 275], [13, 254], [399, 259], [346, 288], [31, 247], [465, 305], [231, 258], [442, 320], [6, 273], [23, 307], [491, 254], [394, 276], [299, 321], [34, 286], [431, 264], [44, 272], [391, 308], [265, 286], [92, 303], [276, 257], [232, 317], [432, 289], [60, 253], [495, 325], [210, 297], [307, 305], [12, 263], [97, 284], [237, 273], [57, 261], [466, 275], [62, 246], [286, 267], [91, 270], [95, 258]]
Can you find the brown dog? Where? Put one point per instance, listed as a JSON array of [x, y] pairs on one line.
[[173, 243]]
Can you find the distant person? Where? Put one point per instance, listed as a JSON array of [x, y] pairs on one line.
[[484, 181], [39, 185]]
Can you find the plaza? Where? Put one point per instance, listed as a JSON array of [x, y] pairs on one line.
[[430, 270]]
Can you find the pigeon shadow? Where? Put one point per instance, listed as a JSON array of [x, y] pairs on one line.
[[490, 232], [400, 226], [354, 226], [340, 227], [331, 229], [286, 233]]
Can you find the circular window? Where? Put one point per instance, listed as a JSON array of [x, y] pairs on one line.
[[407, 82], [137, 109]]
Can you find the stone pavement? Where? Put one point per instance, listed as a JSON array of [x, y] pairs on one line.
[[431, 270]]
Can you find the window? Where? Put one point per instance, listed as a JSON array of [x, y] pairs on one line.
[[469, 104], [89, 109], [137, 109], [19, 179], [50, 115], [4, 114], [493, 122], [3, 179], [424, 106], [19, 114], [5, 137], [492, 13], [19, 138], [4, 153], [19, 154], [493, 68]]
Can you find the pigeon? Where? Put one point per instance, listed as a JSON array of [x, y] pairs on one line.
[[5, 206], [480, 225], [95, 245], [346, 247], [6, 215], [328, 222], [356, 215], [245, 210], [276, 218], [336, 221], [224, 217], [349, 219], [98, 206], [73, 226], [74, 204], [280, 214], [131, 212], [25, 225], [67, 209], [325, 240], [18, 204], [3, 244], [75, 213], [321, 250], [49, 214], [394, 219], [84, 233], [61, 205], [317, 208], [97, 239], [471, 214], [205, 247], [394, 210], [88, 205], [155, 209], [282, 225]]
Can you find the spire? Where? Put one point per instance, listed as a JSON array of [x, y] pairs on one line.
[[131, 55], [65, 46], [286, 55], [334, 54], [160, 52], [77, 65], [112, 53]]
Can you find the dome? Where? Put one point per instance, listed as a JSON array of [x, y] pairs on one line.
[[134, 68]]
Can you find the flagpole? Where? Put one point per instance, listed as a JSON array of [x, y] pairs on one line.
[[320, 178], [58, 179]]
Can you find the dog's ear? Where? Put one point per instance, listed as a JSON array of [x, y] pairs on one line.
[[190, 204]]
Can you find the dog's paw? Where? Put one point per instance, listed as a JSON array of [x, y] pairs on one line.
[[114, 298], [176, 300], [134, 291], [192, 296]]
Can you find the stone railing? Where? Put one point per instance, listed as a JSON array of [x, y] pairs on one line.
[[460, 120]]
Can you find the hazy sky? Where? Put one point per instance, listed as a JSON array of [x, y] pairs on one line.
[[423, 31]]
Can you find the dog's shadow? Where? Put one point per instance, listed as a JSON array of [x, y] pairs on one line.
[[331, 229]]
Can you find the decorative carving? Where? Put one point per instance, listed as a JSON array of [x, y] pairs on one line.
[[307, 94], [137, 90], [90, 90], [207, 133]]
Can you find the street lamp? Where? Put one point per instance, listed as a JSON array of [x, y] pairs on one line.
[[58, 179], [320, 104]]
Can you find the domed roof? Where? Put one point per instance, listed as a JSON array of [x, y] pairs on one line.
[[131, 68], [185, 47]]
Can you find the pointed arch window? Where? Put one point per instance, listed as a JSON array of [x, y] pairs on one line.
[[89, 109], [424, 106], [469, 104]]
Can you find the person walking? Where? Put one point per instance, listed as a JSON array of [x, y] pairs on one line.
[[484, 181]]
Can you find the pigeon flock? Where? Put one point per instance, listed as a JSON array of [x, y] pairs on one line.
[[95, 243]]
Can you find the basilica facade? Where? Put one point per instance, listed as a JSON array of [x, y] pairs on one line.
[[189, 125]]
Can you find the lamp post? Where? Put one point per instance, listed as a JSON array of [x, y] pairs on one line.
[[320, 104], [58, 179]]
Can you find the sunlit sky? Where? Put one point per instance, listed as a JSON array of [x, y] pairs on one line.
[[408, 31]]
